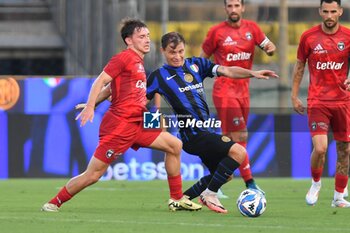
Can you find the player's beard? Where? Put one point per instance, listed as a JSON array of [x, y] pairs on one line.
[[329, 26], [234, 18]]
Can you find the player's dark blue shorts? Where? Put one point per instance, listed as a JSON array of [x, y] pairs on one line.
[[210, 147]]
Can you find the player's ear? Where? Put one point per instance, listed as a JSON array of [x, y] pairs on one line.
[[341, 11], [128, 40]]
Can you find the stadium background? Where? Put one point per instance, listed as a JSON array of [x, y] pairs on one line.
[[55, 48]]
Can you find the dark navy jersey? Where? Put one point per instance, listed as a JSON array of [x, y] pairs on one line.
[[182, 87]]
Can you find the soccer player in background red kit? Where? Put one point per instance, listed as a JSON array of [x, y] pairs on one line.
[[326, 49], [232, 43], [121, 126]]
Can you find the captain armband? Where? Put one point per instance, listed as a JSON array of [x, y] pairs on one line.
[[215, 71], [264, 43]]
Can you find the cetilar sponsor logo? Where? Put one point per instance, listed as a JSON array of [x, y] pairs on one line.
[[238, 56], [330, 65], [191, 87], [141, 84]]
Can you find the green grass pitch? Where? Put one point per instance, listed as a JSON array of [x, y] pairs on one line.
[[130, 206]]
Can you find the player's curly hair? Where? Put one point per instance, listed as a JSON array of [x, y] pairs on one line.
[[173, 38], [129, 25]]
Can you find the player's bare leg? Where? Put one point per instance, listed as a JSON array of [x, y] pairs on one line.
[[318, 155], [91, 175], [241, 137], [172, 147], [341, 176]]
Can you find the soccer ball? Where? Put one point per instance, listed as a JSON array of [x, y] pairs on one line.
[[251, 203]]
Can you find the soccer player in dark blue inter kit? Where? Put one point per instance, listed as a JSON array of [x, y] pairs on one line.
[[180, 82]]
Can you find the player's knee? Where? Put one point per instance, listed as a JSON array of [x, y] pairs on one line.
[[343, 148], [239, 136], [243, 136], [346, 151], [173, 145], [176, 146], [238, 152], [320, 150]]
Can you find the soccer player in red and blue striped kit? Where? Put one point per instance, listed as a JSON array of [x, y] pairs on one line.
[[232, 43], [121, 126], [326, 49]]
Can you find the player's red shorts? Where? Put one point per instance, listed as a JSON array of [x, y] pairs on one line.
[[233, 112], [323, 117], [117, 135]]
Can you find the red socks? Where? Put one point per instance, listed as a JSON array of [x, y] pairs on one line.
[[244, 168], [175, 186], [61, 197], [340, 182], [316, 173]]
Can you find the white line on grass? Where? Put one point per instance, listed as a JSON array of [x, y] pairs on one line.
[[201, 225]]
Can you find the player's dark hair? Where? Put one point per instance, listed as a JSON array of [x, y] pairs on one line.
[[330, 1], [174, 38], [242, 1], [128, 26]]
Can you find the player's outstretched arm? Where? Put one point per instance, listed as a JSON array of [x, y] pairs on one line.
[[87, 114], [239, 72], [298, 73], [102, 96]]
